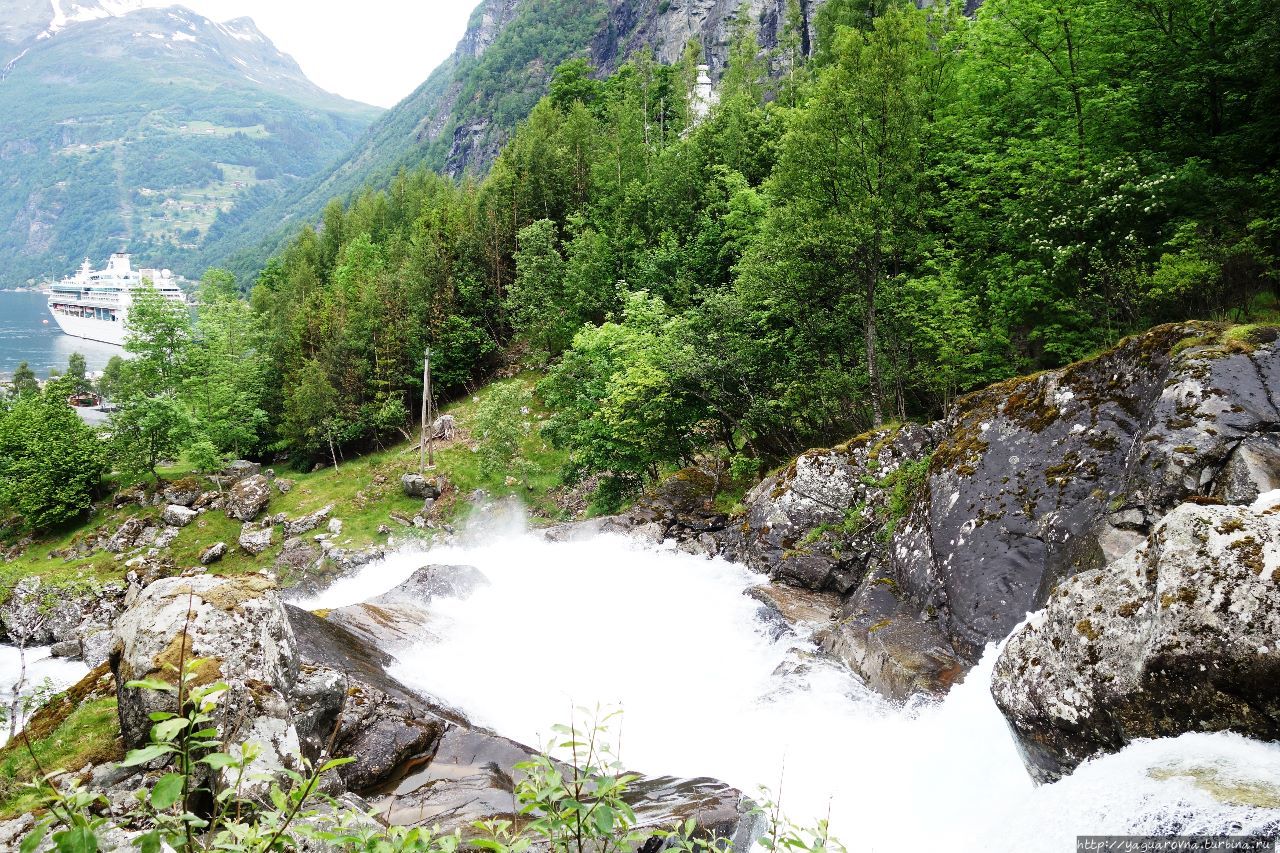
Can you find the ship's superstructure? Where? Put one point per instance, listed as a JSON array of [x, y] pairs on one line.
[[94, 304]]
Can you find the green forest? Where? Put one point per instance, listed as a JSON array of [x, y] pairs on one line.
[[926, 204]]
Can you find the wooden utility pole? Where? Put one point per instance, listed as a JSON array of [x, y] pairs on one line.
[[426, 446]]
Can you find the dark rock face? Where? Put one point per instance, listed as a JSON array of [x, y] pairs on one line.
[[1179, 635], [418, 486], [1028, 483], [426, 764], [817, 524], [472, 776]]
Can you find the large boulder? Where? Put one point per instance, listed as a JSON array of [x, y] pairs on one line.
[[238, 631], [418, 486], [183, 492], [818, 523], [248, 497], [1182, 634], [944, 537], [472, 774]]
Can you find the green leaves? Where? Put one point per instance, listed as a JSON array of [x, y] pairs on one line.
[[166, 731], [151, 752], [35, 838], [167, 791], [78, 839]]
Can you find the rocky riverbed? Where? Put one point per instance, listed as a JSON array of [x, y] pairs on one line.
[[1127, 501]]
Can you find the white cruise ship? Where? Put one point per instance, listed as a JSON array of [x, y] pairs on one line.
[[94, 304]]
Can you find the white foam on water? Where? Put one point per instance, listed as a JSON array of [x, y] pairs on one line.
[[60, 673], [672, 640]]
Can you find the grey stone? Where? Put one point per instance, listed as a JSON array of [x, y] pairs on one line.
[[127, 535], [65, 649], [214, 553], [166, 537], [1028, 482], [248, 497], [401, 617], [1182, 634], [239, 470], [298, 555], [418, 486], [182, 493], [256, 538], [239, 629], [1252, 469], [176, 515], [307, 523]]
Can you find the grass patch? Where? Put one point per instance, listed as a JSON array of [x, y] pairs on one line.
[[75, 729], [364, 490]]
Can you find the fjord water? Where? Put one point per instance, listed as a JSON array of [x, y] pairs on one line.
[[25, 337], [707, 690]]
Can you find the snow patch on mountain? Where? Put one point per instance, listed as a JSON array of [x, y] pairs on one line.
[[74, 11]]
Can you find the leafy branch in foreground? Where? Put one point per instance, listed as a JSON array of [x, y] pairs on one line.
[[202, 800]]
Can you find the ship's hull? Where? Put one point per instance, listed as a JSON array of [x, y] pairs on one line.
[[89, 328]]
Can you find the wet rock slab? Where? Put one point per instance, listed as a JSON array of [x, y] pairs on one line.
[[472, 777], [402, 616]]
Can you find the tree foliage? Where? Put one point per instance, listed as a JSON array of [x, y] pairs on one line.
[[51, 463]]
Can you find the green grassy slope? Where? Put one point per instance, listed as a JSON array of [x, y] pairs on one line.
[[151, 131]]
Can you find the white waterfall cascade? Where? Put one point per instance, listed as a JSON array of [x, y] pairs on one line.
[[44, 673], [705, 691]]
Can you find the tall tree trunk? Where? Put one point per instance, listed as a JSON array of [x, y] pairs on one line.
[[873, 360]]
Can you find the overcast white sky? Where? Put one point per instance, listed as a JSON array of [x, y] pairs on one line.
[[376, 51]]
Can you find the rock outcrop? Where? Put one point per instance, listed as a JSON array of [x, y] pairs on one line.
[[256, 538], [307, 523], [401, 616], [236, 628], [75, 625], [942, 538], [1181, 634]]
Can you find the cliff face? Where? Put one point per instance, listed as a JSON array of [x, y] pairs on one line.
[[459, 118], [622, 28], [940, 539]]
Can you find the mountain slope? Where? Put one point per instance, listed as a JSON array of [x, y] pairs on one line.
[[458, 119], [148, 129]]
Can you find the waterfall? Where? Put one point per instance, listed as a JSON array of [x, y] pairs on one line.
[[707, 688]]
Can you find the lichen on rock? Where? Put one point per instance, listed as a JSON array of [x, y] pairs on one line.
[[1181, 634]]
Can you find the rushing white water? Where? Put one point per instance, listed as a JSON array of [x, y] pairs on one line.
[[705, 691], [44, 672]]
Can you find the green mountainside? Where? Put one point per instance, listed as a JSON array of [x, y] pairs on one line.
[[459, 119], [154, 130]]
